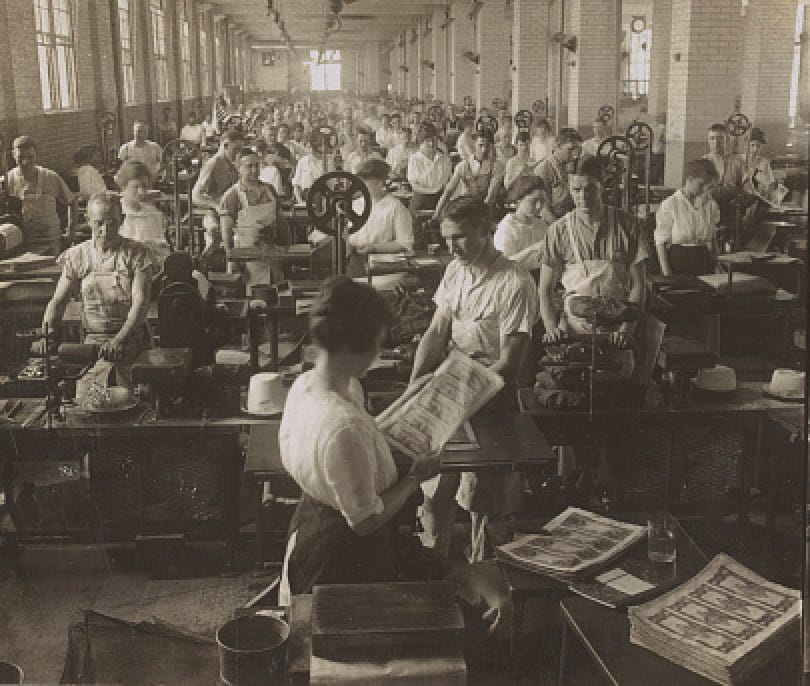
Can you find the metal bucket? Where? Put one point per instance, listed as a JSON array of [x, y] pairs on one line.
[[10, 673], [252, 651]]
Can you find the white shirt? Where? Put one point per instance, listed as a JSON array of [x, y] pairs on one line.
[[389, 221], [514, 166], [192, 133], [487, 305], [308, 169], [398, 156], [428, 176], [270, 174], [150, 154], [679, 222], [513, 236], [465, 145], [540, 149], [334, 450], [356, 160], [591, 147], [90, 180]]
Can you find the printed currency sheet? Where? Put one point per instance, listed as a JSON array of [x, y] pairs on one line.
[[420, 423]]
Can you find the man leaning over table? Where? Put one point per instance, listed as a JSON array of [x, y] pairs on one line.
[[485, 306]]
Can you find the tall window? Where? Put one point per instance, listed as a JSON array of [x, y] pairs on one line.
[[637, 68], [205, 77], [185, 49], [125, 16], [800, 68], [324, 70], [159, 48], [57, 54]]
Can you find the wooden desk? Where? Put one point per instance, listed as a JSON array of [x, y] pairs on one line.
[[605, 635]]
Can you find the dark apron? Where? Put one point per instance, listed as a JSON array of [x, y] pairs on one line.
[[327, 551], [692, 260]]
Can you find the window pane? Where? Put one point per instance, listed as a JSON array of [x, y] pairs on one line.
[[43, 77], [62, 70]]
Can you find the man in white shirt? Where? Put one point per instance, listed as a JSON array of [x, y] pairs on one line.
[[689, 217], [363, 152], [600, 131], [428, 170], [383, 136], [486, 306], [400, 154], [192, 131], [140, 149], [309, 168]]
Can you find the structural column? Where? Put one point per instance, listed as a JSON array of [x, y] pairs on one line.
[[462, 40], [767, 64], [348, 70], [703, 77], [438, 38], [492, 38], [660, 57], [594, 74], [412, 60], [530, 39], [426, 84], [401, 65]]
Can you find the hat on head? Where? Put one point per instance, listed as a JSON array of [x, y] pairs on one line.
[[758, 135]]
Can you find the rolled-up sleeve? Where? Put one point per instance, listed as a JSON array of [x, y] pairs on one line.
[[348, 467], [664, 221]]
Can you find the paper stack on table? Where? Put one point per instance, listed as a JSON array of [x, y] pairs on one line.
[[725, 623], [574, 542]]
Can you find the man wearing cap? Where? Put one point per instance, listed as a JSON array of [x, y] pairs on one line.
[[554, 170], [389, 228], [41, 192]]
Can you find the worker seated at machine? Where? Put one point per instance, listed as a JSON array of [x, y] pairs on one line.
[[554, 169], [520, 235], [143, 222], [600, 132], [309, 168], [686, 223], [520, 165], [730, 169], [250, 216], [399, 155], [111, 274], [88, 162], [389, 228]]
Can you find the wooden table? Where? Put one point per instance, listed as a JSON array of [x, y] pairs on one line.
[[747, 407], [605, 635]]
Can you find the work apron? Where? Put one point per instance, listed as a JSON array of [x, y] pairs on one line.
[[41, 224], [106, 302], [250, 222], [325, 550], [607, 278]]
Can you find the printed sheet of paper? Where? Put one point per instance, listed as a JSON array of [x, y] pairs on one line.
[[724, 612], [421, 424], [579, 540]]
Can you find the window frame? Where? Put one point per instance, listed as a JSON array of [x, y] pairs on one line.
[[49, 43], [127, 65], [157, 23], [184, 36], [205, 76]]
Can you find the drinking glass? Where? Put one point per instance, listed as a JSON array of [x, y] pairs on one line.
[[661, 544]]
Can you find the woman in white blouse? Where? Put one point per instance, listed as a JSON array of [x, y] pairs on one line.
[[428, 170], [143, 222], [342, 530], [688, 219], [520, 235]]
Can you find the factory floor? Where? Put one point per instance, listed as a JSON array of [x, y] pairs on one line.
[[57, 583]]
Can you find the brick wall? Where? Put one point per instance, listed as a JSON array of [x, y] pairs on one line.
[[530, 39], [275, 78], [660, 58], [705, 82], [493, 32], [767, 63], [593, 78]]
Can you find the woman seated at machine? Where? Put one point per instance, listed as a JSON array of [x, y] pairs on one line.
[[250, 216], [522, 163], [143, 222], [400, 154], [112, 276], [389, 228], [686, 223], [480, 176], [88, 160], [520, 235]]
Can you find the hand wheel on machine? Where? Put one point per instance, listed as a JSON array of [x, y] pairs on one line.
[[332, 196], [606, 113], [738, 124], [523, 120], [486, 122], [324, 138], [611, 151], [640, 134]]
